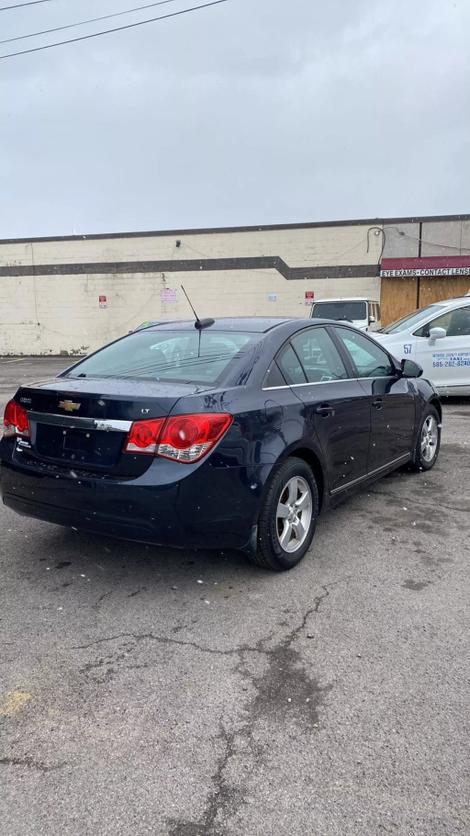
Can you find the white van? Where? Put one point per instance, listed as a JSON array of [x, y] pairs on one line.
[[362, 313]]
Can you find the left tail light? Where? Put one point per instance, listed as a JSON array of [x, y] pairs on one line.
[[15, 420], [182, 438]]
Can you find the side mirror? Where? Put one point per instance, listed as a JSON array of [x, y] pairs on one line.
[[410, 369], [372, 320], [437, 334]]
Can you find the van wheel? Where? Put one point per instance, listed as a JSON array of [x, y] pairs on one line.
[[428, 441], [288, 517]]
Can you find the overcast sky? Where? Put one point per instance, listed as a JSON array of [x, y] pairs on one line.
[[253, 111]]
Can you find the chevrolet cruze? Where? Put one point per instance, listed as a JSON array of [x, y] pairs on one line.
[[226, 434]]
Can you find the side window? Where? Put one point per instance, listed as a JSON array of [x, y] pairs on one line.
[[459, 323], [442, 321], [290, 366], [456, 323], [320, 358], [274, 377], [368, 358]]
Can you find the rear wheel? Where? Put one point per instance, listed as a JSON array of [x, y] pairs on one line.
[[428, 440], [287, 521]]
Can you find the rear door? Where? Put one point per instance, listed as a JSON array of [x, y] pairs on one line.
[[391, 399], [446, 361], [337, 409]]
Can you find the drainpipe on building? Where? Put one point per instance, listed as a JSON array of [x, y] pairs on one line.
[[418, 278]]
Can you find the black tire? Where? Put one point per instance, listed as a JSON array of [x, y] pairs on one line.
[[420, 461], [270, 554]]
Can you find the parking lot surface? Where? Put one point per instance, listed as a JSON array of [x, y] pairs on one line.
[[146, 691]]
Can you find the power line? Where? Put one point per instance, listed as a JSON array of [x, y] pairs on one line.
[[116, 29], [20, 5], [426, 241], [83, 22]]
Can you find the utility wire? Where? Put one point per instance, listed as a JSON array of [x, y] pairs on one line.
[[116, 29], [20, 5], [425, 240], [83, 22]]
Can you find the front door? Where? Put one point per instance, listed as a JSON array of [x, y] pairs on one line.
[[391, 399], [446, 361]]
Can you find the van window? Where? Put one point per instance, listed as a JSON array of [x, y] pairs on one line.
[[346, 310]]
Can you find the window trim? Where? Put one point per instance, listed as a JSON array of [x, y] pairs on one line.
[[323, 383]]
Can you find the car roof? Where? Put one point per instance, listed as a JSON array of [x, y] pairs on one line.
[[347, 299], [449, 303], [248, 324]]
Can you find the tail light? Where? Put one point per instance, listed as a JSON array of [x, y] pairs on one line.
[[15, 420], [182, 438], [143, 436]]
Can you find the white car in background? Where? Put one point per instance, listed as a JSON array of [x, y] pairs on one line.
[[438, 339]]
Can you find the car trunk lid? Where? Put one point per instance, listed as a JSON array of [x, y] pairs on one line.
[[84, 423]]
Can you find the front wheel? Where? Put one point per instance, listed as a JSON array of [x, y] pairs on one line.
[[428, 440], [288, 517]]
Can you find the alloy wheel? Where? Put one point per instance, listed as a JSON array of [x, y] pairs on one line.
[[294, 514], [429, 439]]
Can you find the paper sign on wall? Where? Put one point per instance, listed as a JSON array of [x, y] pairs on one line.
[[168, 294], [103, 302]]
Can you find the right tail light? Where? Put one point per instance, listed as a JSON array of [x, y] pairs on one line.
[[181, 438]]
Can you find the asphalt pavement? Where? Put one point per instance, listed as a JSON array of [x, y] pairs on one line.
[[145, 691]]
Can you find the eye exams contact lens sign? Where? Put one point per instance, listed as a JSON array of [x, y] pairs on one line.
[[403, 268]]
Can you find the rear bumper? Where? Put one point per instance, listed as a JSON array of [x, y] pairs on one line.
[[210, 507]]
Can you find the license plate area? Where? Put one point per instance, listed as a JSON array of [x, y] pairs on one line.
[[72, 445], [77, 441]]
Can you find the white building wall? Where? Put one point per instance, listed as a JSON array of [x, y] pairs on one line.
[[60, 314], [310, 247]]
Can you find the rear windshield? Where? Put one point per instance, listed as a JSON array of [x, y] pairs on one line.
[[340, 310], [411, 319], [181, 356]]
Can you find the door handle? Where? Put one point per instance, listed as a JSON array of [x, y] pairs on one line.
[[325, 410], [378, 403]]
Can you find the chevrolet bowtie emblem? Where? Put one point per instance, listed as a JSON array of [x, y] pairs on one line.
[[69, 406]]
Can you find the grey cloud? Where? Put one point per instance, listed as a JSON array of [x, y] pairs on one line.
[[251, 112]]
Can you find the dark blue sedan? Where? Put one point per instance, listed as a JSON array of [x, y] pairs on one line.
[[226, 434]]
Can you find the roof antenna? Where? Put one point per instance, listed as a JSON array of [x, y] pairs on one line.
[[200, 324]]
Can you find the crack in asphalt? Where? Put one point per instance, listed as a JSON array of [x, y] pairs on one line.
[[284, 692], [283, 687], [139, 637], [412, 501], [99, 600], [30, 763], [223, 794]]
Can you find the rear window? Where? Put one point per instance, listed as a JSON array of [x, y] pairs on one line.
[[340, 310], [178, 356]]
